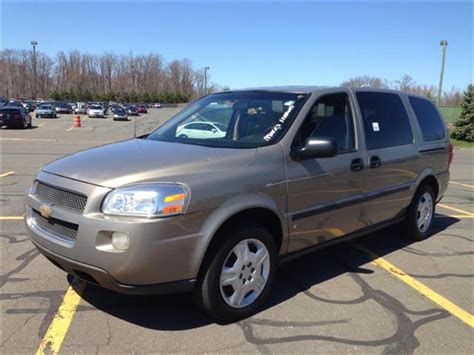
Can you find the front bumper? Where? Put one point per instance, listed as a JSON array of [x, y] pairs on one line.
[[45, 114], [161, 250], [102, 278]]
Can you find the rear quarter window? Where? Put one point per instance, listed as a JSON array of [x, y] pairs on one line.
[[431, 124]]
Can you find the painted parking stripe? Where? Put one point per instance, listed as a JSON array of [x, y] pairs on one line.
[[61, 322], [455, 209], [458, 183], [458, 216], [12, 218], [8, 173], [435, 297]]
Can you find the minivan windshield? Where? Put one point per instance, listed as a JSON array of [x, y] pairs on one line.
[[246, 119]]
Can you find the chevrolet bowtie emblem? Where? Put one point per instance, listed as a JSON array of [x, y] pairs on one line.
[[46, 211]]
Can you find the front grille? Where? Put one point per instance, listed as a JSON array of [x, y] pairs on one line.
[[63, 198], [61, 229]]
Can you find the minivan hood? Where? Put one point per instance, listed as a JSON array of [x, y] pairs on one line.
[[140, 160]]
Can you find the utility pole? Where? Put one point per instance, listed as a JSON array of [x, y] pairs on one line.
[[34, 43], [443, 44], [205, 79]]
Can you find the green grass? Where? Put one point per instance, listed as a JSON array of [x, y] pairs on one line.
[[461, 144]]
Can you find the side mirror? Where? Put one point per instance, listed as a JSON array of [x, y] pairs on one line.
[[320, 147]]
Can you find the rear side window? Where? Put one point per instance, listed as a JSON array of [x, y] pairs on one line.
[[386, 122], [428, 118]]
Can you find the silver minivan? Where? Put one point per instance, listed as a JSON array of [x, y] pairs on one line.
[[296, 169]]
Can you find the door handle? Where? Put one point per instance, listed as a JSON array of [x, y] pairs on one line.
[[375, 162], [357, 164]]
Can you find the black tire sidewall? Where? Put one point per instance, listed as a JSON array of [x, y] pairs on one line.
[[210, 298]]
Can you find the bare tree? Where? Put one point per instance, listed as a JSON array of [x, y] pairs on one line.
[[365, 81]]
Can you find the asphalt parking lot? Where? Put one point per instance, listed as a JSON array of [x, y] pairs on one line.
[[379, 294]]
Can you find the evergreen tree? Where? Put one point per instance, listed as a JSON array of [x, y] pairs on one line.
[[464, 127]]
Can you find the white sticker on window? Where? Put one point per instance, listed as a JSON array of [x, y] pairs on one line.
[[375, 126]]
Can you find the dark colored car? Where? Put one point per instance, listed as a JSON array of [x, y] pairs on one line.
[[14, 103], [30, 106], [142, 109], [119, 114], [14, 117], [132, 110]]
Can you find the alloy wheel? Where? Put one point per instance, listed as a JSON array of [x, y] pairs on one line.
[[244, 273], [424, 212]]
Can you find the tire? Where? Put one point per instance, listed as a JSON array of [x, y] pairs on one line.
[[183, 136], [254, 274], [420, 214], [30, 124], [37, 116]]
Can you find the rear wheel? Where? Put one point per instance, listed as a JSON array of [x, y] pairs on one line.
[[239, 274], [420, 214]]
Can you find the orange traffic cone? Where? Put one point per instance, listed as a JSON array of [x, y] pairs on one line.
[[77, 121]]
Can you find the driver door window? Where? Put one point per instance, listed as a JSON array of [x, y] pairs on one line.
[[330, 116]]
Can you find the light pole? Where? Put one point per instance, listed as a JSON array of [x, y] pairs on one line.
[[443, 45], [205, 79], [34, 43]]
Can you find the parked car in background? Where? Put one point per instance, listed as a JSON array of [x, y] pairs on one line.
[[115, 107], [299, 169], [95, 111], [158, 105], [3, 101], [14, 103], [62, 107], [132, 111], [142, 109], [119, 114], [202, 130], [81, 108], [15, 117], [30, 106], [45, 110]]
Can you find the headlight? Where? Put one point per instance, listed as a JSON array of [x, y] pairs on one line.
[[151, 200]]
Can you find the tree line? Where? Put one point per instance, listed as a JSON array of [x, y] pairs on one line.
[[81, 76], [138, 78], [406, 83]]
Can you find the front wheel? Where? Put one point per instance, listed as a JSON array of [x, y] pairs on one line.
[[420, 214], [239, 274]]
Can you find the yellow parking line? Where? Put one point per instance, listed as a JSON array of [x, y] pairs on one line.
[[61, 322], [435, 297], [458, 183], [12, 218], [460, 216], [456, 209], [8, 173]]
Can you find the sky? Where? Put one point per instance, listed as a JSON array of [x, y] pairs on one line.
[[258, 44]]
